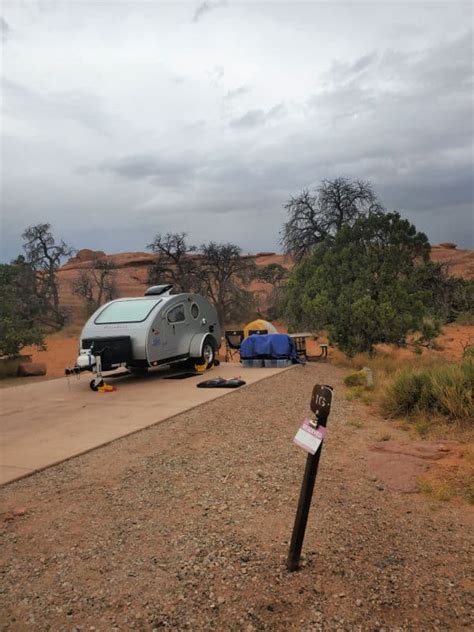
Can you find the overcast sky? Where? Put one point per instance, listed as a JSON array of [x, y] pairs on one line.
[[124, 119]]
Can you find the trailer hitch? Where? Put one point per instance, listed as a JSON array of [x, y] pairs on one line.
[[73, 370], [88, 362]]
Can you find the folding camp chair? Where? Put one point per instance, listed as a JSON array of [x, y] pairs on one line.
[[300, 344], [233, 340]]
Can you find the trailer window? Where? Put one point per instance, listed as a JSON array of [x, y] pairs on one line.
[[176, 315], [127, 311]]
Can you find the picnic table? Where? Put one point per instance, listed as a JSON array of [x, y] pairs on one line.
[[300, 344], [300, 341]]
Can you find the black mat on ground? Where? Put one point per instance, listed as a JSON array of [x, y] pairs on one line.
[[180, 376], [220, 382]]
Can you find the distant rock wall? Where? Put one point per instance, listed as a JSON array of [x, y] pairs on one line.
[[132, 271]]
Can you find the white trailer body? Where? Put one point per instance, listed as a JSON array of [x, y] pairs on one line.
[[158, 328]]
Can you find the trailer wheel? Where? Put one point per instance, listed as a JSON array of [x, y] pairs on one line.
[[94, 386], [208, 355]]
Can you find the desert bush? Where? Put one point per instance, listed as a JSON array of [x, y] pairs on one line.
[[443, 390], [452, 390], [405, 393], [465, 318], [450, 298], [468, 352], [386, 364], [361, 393], [355, 379], [20, 308]]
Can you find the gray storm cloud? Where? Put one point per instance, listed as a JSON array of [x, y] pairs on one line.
[[268, 102], [162, 171]]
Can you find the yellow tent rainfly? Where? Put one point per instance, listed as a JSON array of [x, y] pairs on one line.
[[260, 326]]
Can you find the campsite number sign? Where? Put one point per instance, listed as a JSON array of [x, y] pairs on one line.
[[321, 401], [310, 437]]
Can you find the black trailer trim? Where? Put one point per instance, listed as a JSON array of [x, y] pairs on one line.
[[183, 356]]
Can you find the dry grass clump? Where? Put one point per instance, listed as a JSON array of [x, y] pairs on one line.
[[465, 318], [449, 487], [355, 379], [445, 390], [384, 367], [383, 362], [418, 389]]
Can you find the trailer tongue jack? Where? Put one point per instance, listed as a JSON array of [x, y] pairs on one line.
[[89, 362]]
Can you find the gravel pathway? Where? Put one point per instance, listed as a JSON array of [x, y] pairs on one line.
[[186, 525]]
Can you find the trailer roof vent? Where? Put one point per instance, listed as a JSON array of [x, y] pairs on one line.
[[158, 290]]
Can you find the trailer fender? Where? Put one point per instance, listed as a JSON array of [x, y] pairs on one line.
[[197, 342]]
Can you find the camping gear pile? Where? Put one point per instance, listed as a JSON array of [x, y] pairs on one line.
[[233, 338], [268, 350]]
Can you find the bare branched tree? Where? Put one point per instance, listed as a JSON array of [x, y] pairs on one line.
[[216, 270], [96, 284], [314, 216], [224, 276], [174, 262], [44, 256]]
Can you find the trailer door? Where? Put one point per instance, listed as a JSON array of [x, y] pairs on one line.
[[175, 332]]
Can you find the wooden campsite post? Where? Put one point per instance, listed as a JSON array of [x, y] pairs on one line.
[[320, 405]]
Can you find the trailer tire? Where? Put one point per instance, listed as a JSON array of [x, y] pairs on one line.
[[208, 355], [93, 386]]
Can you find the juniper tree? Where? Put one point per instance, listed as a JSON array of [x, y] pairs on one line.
[[363, 285]]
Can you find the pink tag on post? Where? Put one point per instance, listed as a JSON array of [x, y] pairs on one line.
[[308, 437]]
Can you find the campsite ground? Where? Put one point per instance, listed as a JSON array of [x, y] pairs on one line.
[[62, 349], [185, 525]]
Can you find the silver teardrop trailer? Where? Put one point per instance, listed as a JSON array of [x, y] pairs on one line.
[[155, 329]]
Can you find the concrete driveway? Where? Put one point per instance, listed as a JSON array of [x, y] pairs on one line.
[[47, 422]]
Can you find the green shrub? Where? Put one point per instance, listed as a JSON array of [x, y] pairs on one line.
[[355, 379], [20, 310], [452, 388], [443, 390], [405, 393], [363, 285], [465, 318], [468, 352]]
